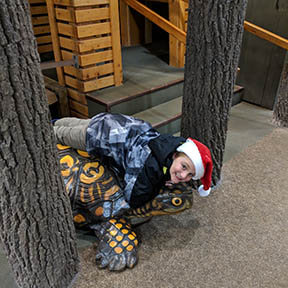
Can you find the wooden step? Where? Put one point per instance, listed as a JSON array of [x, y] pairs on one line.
[[126, 102], [163, 115], [166, 117]]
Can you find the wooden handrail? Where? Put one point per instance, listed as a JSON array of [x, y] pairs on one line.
[[158, 20], [267, 35], [264, 34], [181, 35]]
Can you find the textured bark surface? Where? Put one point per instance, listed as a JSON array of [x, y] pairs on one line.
[[214, 35], [280, 112], [36, 227]]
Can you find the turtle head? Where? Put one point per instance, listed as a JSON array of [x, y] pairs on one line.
[[170, 200]]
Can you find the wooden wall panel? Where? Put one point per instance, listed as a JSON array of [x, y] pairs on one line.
[[40, 22], [89, 29]]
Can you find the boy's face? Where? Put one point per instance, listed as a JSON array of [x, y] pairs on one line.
[[182, 169]]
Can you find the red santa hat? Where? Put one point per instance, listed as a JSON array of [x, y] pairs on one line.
[[201, 158]]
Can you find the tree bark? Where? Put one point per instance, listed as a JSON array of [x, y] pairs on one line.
[[36, 225], [214, 36], [280, 111]]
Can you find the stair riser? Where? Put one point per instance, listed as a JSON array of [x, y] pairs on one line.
[[170, 128], [140, 103], [237, 97], [174, 127]]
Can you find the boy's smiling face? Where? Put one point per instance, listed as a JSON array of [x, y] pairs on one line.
[[182, 168]]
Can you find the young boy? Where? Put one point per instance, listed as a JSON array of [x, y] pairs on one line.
[[142, 157]]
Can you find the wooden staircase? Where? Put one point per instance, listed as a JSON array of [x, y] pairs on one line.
[[152, 90]]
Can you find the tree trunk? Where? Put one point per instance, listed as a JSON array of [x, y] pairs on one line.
[[214, 35], [36, 226], [280, 112]]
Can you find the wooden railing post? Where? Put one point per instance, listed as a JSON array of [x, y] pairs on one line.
[[55, 40], [178, 17], [125, 23], [116, 45]]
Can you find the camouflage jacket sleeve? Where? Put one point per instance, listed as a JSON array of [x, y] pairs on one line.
[[124, 139]]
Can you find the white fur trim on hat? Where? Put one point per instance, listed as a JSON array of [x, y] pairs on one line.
[[202, 192], [191, 150]]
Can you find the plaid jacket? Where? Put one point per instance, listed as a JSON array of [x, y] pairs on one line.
[[124, 139]]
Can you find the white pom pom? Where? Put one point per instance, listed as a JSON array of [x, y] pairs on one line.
[[202, 192]]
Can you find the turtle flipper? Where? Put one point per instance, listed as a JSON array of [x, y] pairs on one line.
[[118, 245]]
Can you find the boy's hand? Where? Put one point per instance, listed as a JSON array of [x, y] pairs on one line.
[[169, 183]]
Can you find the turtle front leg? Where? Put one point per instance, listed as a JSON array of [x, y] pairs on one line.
[[118, 245]]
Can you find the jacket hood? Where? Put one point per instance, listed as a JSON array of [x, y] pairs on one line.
[[163, 148]]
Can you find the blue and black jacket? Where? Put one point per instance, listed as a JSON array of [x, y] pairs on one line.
[[136, 151]]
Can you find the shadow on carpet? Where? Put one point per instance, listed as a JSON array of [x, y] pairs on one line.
[[237, 237]]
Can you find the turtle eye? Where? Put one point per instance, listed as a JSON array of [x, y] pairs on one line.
[[176, 201]]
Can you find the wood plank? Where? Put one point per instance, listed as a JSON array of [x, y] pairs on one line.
[[85, 45], [72, 71], [66, 55], [92, 14], [41, 29], [61, 93], [55, 40], [116, 44], [173, 47], [181, 46], [89, 59], [73, 82], [89, 86], [51, 97], [162, 1], [68, 43], [40, 20], [98, 83], [93, 29], [79, 107], [186, 15], [78, 115], [94, 44], [80, 3], [64, 14], [176, 48], [45, 48], [43, 39], [158, 20], [76, 95], [267, 35], [124, 24], [37, 1], [36, 10], [91, 72], [66, 29], [94, 58]]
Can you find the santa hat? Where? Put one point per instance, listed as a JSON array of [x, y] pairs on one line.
[[201, 158]]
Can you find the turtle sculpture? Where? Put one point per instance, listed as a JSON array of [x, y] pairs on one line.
[[98, 203]]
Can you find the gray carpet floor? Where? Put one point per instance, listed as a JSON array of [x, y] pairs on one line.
[[237, 237]]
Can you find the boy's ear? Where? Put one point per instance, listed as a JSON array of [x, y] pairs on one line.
[[174, 155]]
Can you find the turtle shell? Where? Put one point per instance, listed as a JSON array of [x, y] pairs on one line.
[[94, 192]]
